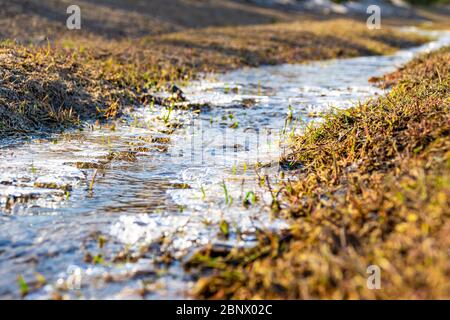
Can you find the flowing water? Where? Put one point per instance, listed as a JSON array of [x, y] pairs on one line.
[[98, 212]]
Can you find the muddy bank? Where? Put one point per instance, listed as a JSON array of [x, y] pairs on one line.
[[37, 21]]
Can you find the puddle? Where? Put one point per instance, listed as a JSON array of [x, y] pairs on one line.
[[99, 212]]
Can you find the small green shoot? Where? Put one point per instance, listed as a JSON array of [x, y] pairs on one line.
[[250, 199], [101, 241], [234, 125], [202, 189], [23, 286], [33, 169], [166, 117], [91, 186], [228, 198], [98, 259], [224, 228]]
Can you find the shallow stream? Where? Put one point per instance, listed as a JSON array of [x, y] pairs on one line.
[[97, 212]]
